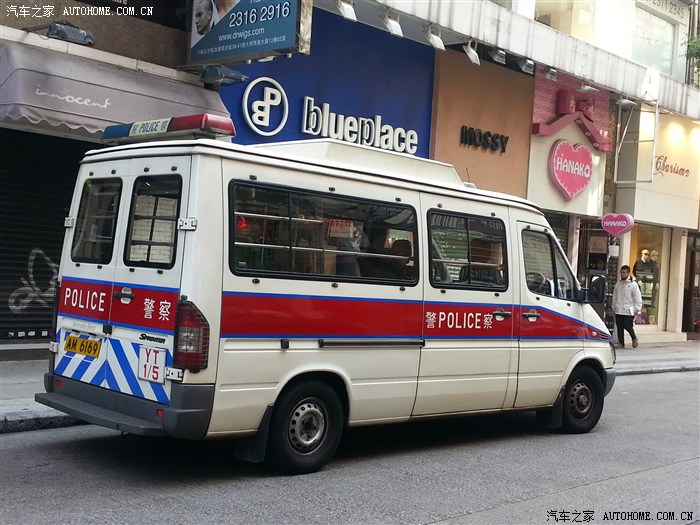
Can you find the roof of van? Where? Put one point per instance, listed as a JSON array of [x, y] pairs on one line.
[[400, 166], [415, 169]]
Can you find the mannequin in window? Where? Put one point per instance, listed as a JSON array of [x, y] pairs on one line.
[[644, 266]]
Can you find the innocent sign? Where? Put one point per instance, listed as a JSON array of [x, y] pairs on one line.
[[617, 223], [570, 167]]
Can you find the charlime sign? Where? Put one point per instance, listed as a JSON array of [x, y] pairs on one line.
[[233, 31]]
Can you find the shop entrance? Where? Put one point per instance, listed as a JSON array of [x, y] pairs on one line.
[[593, 260], [691, 288], [38, 175]]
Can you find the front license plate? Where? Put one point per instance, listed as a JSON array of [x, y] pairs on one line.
[[152, 364], [78, 345]]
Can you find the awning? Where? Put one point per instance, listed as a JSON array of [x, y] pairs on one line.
[[71, 93]]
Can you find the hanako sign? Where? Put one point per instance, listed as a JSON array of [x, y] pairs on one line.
[[570, 167], [232, 31], [617, 223]]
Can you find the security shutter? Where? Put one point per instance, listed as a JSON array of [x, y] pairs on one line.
[[560, 225], [37, 174]]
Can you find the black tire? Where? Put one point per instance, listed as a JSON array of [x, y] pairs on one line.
[[583, 401], [306, 427]]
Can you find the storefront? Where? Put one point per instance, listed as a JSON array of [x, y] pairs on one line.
[[54, 107], [691, 288], [481, 122], [358, 84], [659, 185], [569, 167]]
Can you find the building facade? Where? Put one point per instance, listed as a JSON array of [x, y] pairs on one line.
[[550, 101]]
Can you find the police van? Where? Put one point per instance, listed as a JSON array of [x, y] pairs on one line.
[[280, 293]]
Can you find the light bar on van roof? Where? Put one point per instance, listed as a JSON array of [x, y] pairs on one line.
[[202, 125]]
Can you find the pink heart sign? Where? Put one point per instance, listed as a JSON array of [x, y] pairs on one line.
[[570, 167], [617, 223]]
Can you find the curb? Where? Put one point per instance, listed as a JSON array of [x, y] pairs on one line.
[[642, 371], [25, 424]]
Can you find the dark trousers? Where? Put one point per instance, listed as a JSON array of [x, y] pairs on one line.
[[624, 322]]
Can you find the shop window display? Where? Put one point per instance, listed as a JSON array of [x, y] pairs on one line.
[[646, 270]]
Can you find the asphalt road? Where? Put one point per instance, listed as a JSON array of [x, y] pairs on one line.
[[643, 457]]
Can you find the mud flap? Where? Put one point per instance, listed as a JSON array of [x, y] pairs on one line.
[[551, 418], [253, 449]]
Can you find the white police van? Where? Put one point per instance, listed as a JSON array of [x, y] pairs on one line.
[[280, 293]]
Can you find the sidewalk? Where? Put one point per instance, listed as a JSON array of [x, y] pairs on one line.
[[20, 380]]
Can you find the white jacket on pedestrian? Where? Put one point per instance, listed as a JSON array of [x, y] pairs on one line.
[[627, 298]]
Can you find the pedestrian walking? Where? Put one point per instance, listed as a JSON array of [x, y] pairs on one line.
[[627, 302]]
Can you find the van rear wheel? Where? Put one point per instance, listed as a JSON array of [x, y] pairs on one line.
[[583, 401], [306, 427]]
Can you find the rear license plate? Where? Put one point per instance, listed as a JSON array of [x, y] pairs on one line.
[[78, 345], [152, 364]]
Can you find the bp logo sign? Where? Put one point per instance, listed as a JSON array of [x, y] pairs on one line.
[[265, 106]]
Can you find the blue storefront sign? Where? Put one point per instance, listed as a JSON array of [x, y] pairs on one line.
[[359, 85]]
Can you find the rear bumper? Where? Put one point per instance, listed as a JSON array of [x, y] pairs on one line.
[[186, 417]]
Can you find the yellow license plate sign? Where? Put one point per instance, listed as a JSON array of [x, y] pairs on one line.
[[78, 345]]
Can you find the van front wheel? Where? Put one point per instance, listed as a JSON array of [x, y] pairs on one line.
[[583, 401], [306, 427]]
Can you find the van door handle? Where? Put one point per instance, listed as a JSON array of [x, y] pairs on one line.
[[125, 293], [502, 313], [531, 314]]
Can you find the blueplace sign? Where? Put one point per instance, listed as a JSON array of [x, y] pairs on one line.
[[339, 92], [229, 31], [266, 111]]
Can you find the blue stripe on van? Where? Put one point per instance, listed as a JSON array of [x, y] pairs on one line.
[[126, 369]]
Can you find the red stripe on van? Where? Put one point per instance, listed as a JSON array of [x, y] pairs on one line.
[[150, 308], [550, 325], [304, 316], [468, 320], [85, 299]]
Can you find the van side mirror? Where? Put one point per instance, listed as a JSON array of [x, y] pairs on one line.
[[597, 288]]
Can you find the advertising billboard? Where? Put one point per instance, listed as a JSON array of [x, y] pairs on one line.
[[233, 31]]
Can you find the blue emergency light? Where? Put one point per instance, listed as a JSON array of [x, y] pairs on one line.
[[202, 125]]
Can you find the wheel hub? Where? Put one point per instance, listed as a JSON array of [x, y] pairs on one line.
[[307, 426], [580, 400]]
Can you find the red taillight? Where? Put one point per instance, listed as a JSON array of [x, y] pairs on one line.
[[191, 338]]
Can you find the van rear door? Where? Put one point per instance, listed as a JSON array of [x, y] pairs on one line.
[[120, 288]]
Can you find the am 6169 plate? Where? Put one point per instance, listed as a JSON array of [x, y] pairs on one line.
[[78, 345]]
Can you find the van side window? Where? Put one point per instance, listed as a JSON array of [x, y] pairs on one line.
[[152, 232], [467, 251], [93, 240], [292, 232], [546, 270]]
